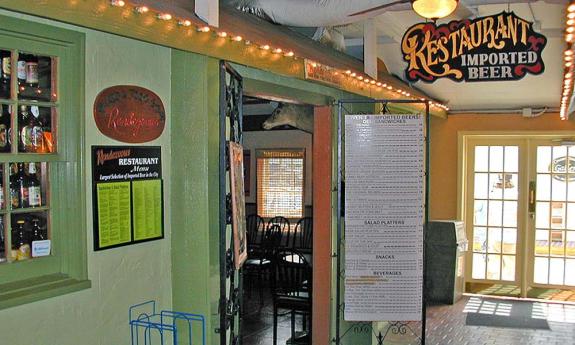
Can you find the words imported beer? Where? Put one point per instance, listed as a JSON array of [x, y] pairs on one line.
[[499, 47]]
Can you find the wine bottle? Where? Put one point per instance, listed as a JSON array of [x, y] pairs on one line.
[[21, 245], [5, 128], [34, 189]]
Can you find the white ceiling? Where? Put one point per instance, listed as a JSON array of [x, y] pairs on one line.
[[530, 92]]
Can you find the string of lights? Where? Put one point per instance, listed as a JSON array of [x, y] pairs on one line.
[[568, 57], [368, 81]]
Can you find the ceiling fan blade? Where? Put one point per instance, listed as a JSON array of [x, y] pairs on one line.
[[373, 9]]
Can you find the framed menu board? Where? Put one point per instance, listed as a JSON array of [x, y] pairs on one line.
[[127, 195], [384, 217]]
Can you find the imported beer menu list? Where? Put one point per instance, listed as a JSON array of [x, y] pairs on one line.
[[384, 217], [127, 195]]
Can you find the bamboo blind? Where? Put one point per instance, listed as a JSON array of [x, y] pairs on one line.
[[280, 183]]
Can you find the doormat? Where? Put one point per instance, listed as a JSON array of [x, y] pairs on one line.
[[504, 313]]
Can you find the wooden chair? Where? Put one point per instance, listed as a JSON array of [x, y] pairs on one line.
[[260, 262], [285, 229], [255, 231], [292, 283], [303, 235]]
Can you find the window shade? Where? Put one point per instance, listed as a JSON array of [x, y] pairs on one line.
[[280, 183]]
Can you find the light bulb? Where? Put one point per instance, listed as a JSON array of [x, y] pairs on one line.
[[164, 16], [141, 9], [118, 3]]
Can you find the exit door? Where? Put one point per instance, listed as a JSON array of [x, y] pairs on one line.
[[520, 212]]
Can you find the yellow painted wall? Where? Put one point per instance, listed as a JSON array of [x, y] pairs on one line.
[[444, 150]]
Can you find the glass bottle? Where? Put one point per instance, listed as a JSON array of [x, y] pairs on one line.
[[5, 75], [2, 200], [36, 131], [37, 233], [25, 141], [2, 243], [20, 243], [19, 188], [34, 189], [32, 71], [21, 69], [5, 128]]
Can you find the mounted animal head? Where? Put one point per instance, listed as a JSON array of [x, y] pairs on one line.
[[297, 116]]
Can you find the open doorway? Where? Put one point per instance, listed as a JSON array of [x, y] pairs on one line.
[[278, 274]]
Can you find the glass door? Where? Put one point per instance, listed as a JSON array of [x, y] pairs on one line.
[[493, 222], [552, 250]]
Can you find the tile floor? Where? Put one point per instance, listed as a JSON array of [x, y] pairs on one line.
[[445, 325], [257, 322]]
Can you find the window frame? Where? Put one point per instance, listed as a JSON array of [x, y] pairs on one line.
[[65, 270], [303, 158]]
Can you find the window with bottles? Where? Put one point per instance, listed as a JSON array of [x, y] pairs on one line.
[[42, 189], [29, 103]]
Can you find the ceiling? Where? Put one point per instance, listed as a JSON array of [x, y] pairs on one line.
[[533, 91]]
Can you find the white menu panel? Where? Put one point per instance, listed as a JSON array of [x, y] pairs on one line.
[[384, 217]]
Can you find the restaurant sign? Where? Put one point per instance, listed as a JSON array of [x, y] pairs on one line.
[[494, 48], [130, 114]]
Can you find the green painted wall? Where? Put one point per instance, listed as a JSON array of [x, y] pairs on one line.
[[122, 276], [195, 187]]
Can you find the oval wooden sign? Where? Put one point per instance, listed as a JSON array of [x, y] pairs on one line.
[[130, 114]]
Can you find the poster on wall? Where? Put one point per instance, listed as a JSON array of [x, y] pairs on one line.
[[127, 195], [384, 217], [493, 48], [238, 203]]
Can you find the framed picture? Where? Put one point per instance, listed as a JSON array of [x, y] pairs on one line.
[[238, 203], [247, 171]]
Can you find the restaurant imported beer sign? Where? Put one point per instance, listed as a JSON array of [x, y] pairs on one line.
[[494, 48]]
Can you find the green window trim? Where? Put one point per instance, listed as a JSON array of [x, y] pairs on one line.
[[65, 270]]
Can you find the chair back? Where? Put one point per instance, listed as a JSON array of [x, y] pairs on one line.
[[303, 235], [271, 241], [285, 229], [255, 229], [292, 274]]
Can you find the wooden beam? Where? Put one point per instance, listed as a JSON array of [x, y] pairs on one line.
[[370, 48], [100, 15], [208, 11]]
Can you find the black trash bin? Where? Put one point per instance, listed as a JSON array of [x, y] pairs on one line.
[[446, 245]]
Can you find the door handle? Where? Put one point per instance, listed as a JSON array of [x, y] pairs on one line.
[[532, 188]]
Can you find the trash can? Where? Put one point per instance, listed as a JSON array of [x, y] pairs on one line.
[[446, 245]]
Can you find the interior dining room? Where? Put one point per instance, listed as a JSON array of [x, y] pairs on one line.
[[279, 221]]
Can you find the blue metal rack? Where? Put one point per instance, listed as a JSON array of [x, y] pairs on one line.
[[166, 327]]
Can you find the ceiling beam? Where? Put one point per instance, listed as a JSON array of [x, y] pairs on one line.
[[208, 11], [370, 48]]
